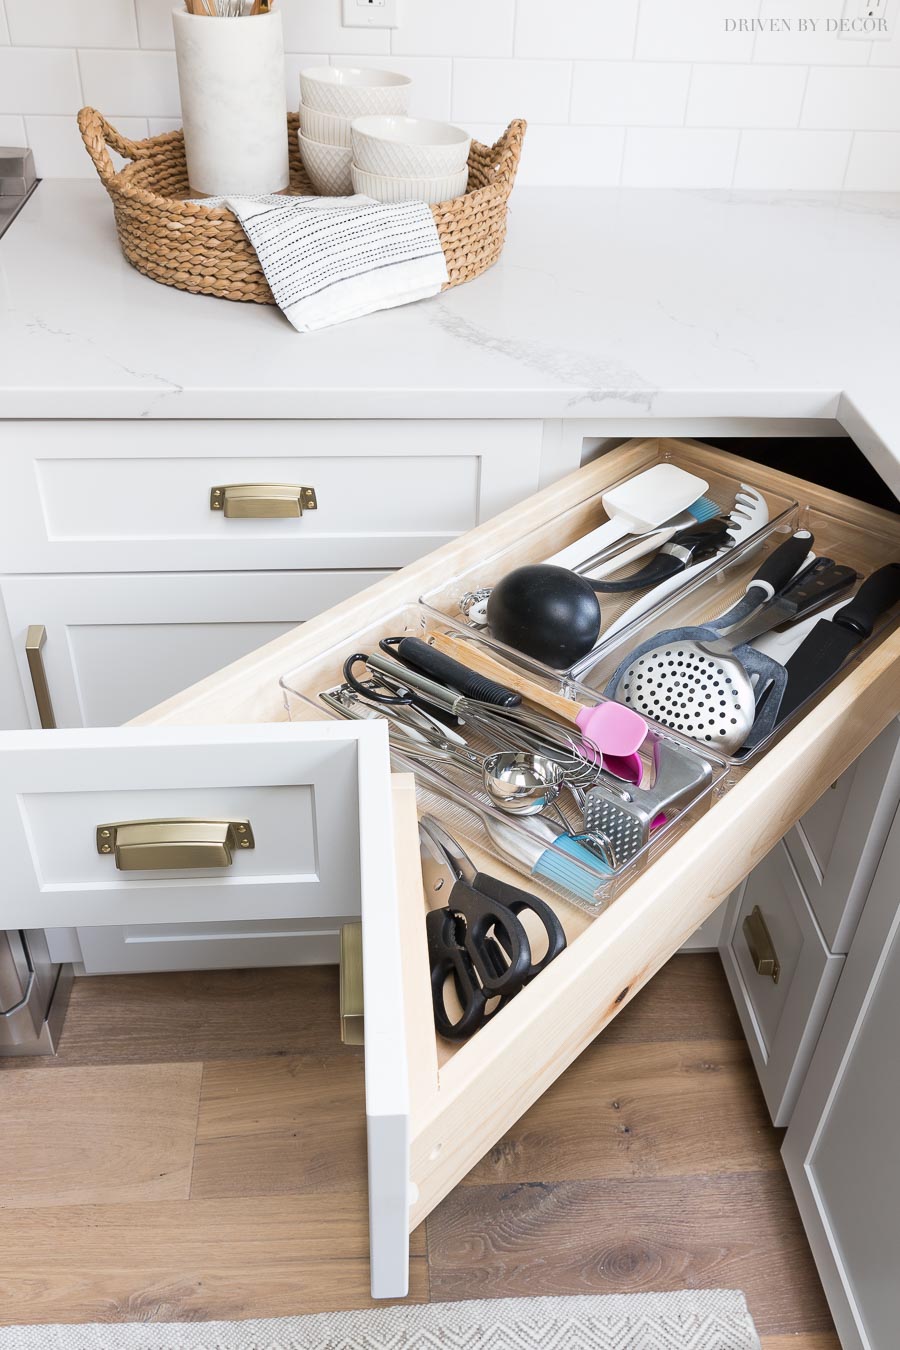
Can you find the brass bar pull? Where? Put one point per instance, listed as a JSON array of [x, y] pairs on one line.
[[352, 984], [34, 642], [153, 845], [262, 501], [760, 945]]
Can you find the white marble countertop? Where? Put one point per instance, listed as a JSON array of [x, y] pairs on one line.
[[606, 304]]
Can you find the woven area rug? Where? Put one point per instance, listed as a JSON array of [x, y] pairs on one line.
[[702, 1319]]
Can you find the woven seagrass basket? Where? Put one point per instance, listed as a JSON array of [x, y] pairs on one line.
[[203, 249]]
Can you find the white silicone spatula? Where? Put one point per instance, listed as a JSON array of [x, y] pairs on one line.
[[643, 503], [640, 505]]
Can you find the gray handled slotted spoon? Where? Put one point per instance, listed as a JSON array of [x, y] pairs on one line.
[[697, 683]]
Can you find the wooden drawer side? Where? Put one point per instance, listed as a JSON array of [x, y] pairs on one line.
[[497, 1075]]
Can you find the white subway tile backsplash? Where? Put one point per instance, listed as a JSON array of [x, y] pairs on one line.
[[464, 28], [315, 26], [803, 32], [685, 93], [39, 80], [157, 125], [693, 30], [431, 76], [12, 130], [72, 23], [59, 150], [795, 160], [154, 21], [138, 83], [874, 164], [678, 157], [490, 90], [860, 100], [630, 93], [746, 96], [602, 30], [571, 156]]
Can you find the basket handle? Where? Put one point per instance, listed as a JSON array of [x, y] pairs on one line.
[[97, 134]]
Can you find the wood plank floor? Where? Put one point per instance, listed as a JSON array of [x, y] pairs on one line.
[[197, 1151]]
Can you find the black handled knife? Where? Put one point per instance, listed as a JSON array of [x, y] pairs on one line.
[[823, 651]]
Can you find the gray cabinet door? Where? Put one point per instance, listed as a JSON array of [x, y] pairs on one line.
[[841, 1147]]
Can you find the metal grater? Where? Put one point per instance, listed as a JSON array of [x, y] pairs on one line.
[[625, 814]]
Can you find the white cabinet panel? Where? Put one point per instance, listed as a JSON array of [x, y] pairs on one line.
[[208, 946], [118, 644], [841, 1148], [781, 1018], [299, 787], [134, 496], [837, 845]]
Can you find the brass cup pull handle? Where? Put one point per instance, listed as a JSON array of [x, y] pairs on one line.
[[760, 945], [351, 984], [34, 642], [160, 845], [262, 501]]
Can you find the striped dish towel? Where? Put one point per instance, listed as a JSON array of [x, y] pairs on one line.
[[328, 259]]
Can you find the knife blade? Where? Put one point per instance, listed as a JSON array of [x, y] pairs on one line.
[[827, 647], [812, 589]]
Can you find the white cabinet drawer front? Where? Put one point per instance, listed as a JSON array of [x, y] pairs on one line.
[[115, 644], [209, 946], [132, 496], [837, 845], [782, 1019], [300, 794]]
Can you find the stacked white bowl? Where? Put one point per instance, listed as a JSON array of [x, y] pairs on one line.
[[330, 98], [399, 159]]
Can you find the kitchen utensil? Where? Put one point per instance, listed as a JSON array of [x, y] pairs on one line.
[[614, 556], [626, 814], [813, 587], [430, 190], [348, 91], [691, 546], [522, 783], [826, 648], [409, 147], [617, 732], [748, 515], [548, 613], [477, 938], [450, 670], [665, 486], [328, 166], [692, 681], [644, 503]]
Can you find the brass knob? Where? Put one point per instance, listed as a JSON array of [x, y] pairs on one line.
[[760, 945], [170, 845], [262, 501]]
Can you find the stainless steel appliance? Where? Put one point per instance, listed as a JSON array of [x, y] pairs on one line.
[[34, 994], [17, 182]]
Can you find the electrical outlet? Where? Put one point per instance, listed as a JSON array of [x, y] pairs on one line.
[[864, 21], [370, 13]]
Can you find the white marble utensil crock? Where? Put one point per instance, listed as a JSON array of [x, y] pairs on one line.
[[233, 102]]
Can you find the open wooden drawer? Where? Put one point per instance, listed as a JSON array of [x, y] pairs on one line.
[[435, 1109]]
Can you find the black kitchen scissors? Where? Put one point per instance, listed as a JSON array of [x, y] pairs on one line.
[[477, 937]]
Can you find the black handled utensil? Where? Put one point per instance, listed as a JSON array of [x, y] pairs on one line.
[[412, 651], [687, 548], [823, 651]]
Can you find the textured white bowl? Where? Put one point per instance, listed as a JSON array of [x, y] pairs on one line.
[[430, 190], [408, 147], [324, 127], [328, 167], [347, 91]]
